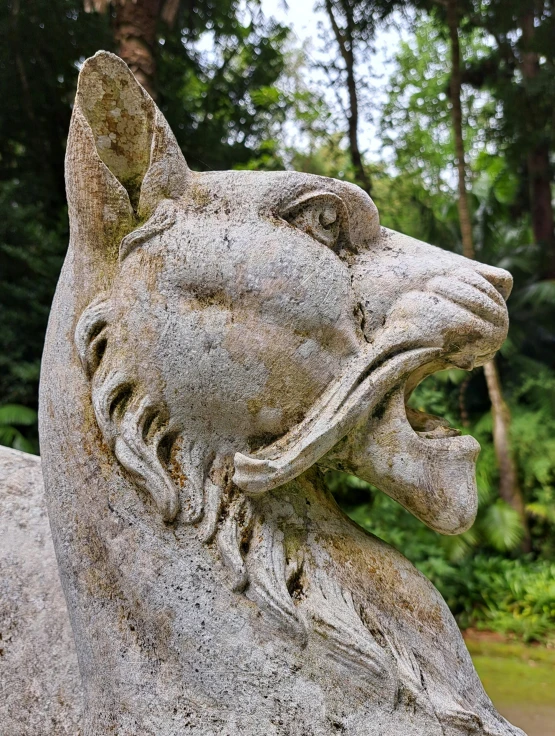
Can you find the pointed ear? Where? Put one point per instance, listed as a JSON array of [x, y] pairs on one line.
[[122, 157]]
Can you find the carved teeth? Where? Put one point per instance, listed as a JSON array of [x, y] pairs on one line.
[[422, 422], [429, 426]]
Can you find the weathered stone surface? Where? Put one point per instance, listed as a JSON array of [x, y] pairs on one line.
[[218, 341], [40, 691]]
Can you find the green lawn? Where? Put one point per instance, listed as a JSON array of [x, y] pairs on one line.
[[513, 672], [520, 680]]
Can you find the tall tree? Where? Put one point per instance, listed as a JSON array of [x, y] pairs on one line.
[[509, 488], [540, 174], [465, 217], [353, 26], [518, 71], [134, 25]]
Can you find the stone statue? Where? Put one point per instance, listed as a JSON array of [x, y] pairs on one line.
[[217, 342], [39, 677]]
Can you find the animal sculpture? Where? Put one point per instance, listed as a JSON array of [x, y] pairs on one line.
[[218, 341]]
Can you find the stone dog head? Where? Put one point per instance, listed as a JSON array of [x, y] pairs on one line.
[[261, 322]]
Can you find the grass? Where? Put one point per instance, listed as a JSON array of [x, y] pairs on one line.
[[514, 673]]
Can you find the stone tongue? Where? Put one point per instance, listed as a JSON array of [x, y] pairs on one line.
[[310, 440]]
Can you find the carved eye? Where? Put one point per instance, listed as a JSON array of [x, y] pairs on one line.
[[322, 216]]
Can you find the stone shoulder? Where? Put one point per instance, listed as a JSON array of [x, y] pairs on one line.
[[38, 666]]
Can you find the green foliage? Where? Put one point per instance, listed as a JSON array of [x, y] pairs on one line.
[[30, 259], [224, 104], [509, 596], [40, 46], [327, 157], [13, 416], [416, 120], [526, 103], [501, 526]]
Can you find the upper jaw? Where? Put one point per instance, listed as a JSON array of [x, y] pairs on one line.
[[344, 406], [361, 425], [418, 459]]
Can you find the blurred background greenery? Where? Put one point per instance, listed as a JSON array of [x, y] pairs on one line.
[[462, 154]]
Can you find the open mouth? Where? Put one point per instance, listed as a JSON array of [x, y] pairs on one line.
[[416, 458], [347, 403], [364, 427], [426, 426]]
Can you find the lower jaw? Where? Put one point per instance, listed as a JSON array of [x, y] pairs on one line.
[[434, 479]]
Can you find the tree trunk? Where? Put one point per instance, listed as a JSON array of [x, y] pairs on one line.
[[541, 207], [344, 38], [135, 25], [538, 164], [354, 150], [509, 488], [463, 411], [465, 219]]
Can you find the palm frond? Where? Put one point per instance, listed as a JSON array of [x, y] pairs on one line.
[[542, 511], [15, 414], [540, 293], [501, 526]]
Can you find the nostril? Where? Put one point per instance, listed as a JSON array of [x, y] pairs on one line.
[[498, 277]]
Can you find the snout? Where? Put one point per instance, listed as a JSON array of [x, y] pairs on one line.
[[474, 312], [418, 301], [425, 296], [497, 277]]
